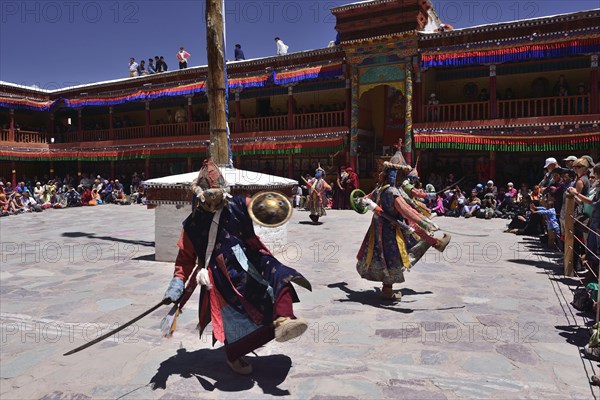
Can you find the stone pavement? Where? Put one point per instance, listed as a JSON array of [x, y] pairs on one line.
[[488, 318]]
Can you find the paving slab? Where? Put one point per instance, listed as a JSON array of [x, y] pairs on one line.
[[488, 318]]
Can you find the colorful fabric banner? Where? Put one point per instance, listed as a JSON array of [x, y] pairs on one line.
[[249, 81], [565, 48], [25, 103], [312, 72], [183, 90], [461, 141]]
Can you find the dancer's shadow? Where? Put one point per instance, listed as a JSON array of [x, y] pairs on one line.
[[208, 365], [367, 297], [373, 298], [310, 223]]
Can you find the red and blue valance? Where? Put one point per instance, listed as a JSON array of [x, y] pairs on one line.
[[565, 48], [151, 94], [311, 72], [25, 103], [462, 141], [259, 80]]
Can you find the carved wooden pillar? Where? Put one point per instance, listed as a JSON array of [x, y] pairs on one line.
[[594, 100], [493, 100], [190, 115], [79, 122], [189, 164], [493, 165], [14, 175], [291, 166], [11, 127], [147, 168], [147, 124], [290, 108], [238, 112], [111, 130]]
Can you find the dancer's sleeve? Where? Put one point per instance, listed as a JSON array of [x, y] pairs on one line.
[[186, 258]]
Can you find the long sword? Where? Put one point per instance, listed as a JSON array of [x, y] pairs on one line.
[[109, 334]]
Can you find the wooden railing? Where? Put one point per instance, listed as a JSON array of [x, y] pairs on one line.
[[275, 123], [87, 136], [507, 109], [259, 124], [29, 136], [319, 120], [544, 107], [456, 112]]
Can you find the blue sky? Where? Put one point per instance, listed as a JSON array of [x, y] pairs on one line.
[[60, 43]]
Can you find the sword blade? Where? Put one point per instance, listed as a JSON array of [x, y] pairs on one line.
[[109, 334]]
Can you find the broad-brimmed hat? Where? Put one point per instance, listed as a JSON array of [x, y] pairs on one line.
[[570, 158], [582, 162]]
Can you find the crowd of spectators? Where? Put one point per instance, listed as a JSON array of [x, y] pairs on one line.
[[538, 210], [38, 195]]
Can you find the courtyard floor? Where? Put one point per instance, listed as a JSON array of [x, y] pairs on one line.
[[488, 318]]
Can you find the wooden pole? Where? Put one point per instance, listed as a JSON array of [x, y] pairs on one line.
[[215, 83], [569, 227]]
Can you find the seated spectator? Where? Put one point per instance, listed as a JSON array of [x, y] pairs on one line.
[[16, 203], [30, 204], [488, 206], [121, 198], [96, 196], [551, 221], [87, 199], [4, 206], [472, 205], [38, 191], [56, 201], [73, 198], [439, 206], [490, 188]]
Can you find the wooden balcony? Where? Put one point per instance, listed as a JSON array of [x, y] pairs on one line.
[[130, 135]]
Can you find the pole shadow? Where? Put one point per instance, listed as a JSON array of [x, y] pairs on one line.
[[108, 238], [209, 365]]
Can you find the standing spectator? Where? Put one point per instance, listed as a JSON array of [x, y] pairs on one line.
[[483, 95], [170, 118], [433, 110], [550, 164], [282, 48], [142, 68], [181, 115], [183, 57], [238, 53], [151, 67], [561, 87], [158, 64], [569, 162], [163, 64], [133, 68]]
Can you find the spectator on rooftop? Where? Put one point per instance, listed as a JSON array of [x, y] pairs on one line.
[[183, 57], [282, 48], [238, 53], [133, 67], [151, 68], [163, 64]]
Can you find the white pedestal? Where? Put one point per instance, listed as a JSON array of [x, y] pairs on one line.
[[168, 224]]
